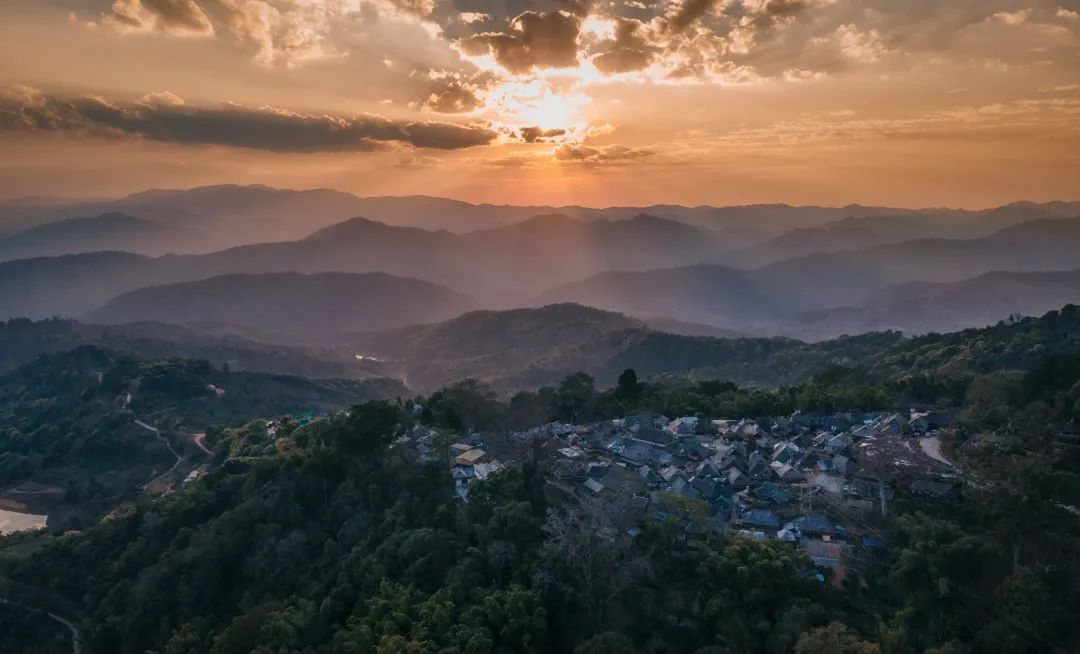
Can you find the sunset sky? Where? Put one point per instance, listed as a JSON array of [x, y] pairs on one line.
[[906, 102]]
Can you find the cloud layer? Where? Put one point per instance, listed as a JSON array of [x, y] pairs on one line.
[[164, 117]]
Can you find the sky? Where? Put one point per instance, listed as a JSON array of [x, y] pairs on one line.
[[917, 103]]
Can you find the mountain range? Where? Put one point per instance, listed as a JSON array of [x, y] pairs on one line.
[[330, 284]]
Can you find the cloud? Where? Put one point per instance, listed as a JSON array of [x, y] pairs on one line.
[[276, 130], [570, 153], [532, 40], [181, 17], [536, 134], [867, 47], [454, 98], [627, 52], [685, 13]]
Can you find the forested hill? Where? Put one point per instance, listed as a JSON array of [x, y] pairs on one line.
[[81, 423]]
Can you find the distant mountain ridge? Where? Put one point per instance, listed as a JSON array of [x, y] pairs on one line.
[[308, 307], [108, 231]]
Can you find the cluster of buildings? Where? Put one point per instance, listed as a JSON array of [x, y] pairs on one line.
[[811, 480]]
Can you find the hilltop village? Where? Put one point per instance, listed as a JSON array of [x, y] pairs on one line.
[[810, 480]]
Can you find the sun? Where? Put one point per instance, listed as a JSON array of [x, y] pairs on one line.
[[548, 103]]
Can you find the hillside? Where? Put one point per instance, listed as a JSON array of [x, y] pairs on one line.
[[309, 307], [76, 422], [525, 348], [109, 231], [22, 341]]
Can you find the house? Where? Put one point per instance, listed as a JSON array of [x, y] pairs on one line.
[[690, 450], [772, 493], [785, 472], [786, 452], [590, 488], [707, 469], [653, 436], [649, 476], [760, 518], [756, 466], [471, 457], [684, 426], [838, 443], [710, 488], [812, 526], [824, 554], [736, 479], [863, 431]]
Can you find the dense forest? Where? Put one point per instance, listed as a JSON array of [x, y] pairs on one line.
[[324, 536]]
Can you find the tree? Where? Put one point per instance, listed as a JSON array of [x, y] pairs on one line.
[[835, 638], [628, 389], [607, 642], [576, 394]]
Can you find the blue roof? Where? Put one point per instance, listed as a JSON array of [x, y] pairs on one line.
[[761, 518]]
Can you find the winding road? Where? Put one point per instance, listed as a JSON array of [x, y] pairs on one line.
[[157, 432]]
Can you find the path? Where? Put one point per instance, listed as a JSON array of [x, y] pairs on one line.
[[157, 432], [76, 637], [76, 633], [931, 446], [200, 442]]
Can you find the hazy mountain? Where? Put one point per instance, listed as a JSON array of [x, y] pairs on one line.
[[308, 307], [231, 215], [72, 284], [109, 231], [921, 307], [236, 215], [493, 265], [714, 295], [859, 232], [768, 299]]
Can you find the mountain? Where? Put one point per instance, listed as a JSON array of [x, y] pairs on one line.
[[237, 215], [72, 284], [860, 232], [496, 266], [921, 307], [305, 306], [109, 231], [771, 299], [713, 295]]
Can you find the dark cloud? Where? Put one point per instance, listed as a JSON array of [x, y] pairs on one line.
[[577, 7], [453, 98], [534, 40], [536, 134], [628, 51], [569, 152], [686, 13], [183, 16], [274, 130]]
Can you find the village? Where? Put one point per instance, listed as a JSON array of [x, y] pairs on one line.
[[818, 482]]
